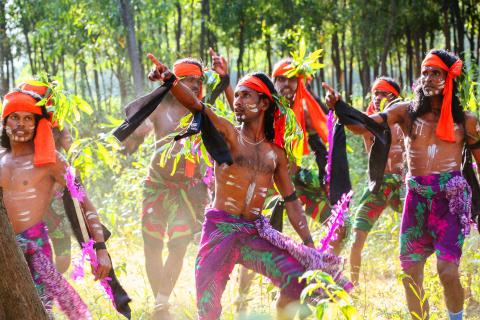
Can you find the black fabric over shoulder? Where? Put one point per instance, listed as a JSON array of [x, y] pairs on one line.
[[213, 140], [378, 156], [320, 152], [140, 109], [339, 172]]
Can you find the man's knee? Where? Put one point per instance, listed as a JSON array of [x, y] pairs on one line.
[[62, 263], [448, 273], [178, 245], [413, 275], [360, 237]]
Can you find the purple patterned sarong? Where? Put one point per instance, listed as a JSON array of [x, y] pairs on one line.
[[50, 284], [436, 218], [229, 239]]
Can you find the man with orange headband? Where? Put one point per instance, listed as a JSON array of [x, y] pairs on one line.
[[28, 172], [234, 231], [385, 92], [173, 203], [308, 184], [437, 210]]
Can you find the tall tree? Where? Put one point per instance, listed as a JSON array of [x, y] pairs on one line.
[[133, 52], [18, 296]]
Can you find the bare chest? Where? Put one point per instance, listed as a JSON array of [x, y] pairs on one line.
[[256, 159]]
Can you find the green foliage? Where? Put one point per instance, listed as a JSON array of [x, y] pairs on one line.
[[337, 304]]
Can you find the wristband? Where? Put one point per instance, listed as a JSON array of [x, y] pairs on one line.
[[290, 197], [99, 245]]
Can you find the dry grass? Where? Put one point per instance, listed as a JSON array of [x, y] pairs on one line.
[[379, 296]]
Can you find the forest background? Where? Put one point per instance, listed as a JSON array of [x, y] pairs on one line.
[[97, 49]]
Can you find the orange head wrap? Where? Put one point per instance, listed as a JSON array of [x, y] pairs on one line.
[[445, 127], [25, 99], [187, 69], [380, 85], [304, 98]]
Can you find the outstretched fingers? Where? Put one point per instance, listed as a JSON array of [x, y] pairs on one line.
[[332, 96], [158, 72]]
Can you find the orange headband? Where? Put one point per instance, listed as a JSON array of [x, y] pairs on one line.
[[25, 99], [281, 68], [186, 69], [383, 85], [445, 127], [255, 84]]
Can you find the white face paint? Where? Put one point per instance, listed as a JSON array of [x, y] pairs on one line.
[[252, 107], [24, 219], [24, 213]]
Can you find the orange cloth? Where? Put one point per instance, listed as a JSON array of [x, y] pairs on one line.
[[304, 98], [255, 84], [44, 143], [445, 127], [186, 69], [380, 85]]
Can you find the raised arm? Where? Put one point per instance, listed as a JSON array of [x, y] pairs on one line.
[[188, 99], [395, 114], [220, 66], [93, 221], [295, 212]]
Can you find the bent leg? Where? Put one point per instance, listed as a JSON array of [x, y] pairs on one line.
[[280, 267], [414, 292], [173, 265], [450, 279], [356, 254], [153, 247]]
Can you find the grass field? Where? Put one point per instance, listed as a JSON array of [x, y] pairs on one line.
[[379, 296]]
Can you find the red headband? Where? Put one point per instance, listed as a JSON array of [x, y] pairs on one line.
[[281, 68], [445, 127], [255, 84], [25, 99], [187, 69], [318, 117], [381, 85]]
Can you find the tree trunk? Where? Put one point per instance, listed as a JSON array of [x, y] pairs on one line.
[[460, 27], [4, 48], [96, 83], [344, 61], [178, 31], [409, 76], [446, 25], [268, 46], [203, 28], [400, 69], [18, 297], [133, 53], [386, 39], [336, 60], [190, 37], [241, 47]]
